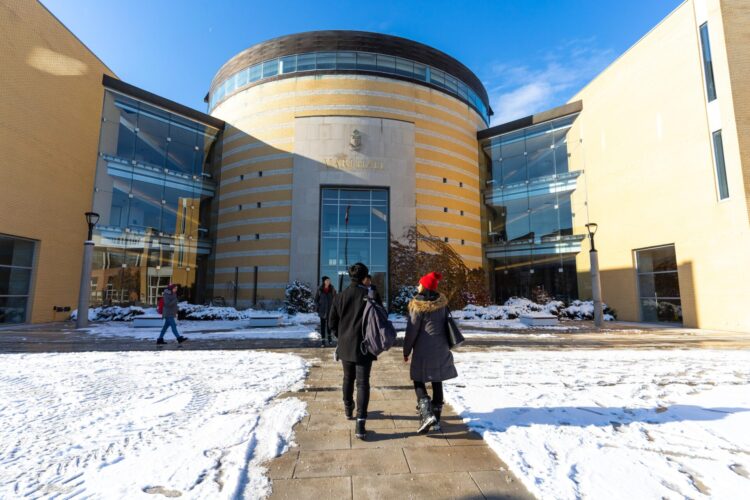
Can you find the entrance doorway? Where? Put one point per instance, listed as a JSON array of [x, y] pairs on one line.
[[354, 228], [658, 284]]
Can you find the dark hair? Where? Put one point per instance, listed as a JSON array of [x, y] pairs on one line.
[[323, 280], [358, 271], [369, 276]]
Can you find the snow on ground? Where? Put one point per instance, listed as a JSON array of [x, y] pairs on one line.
[[206, 330], [122, 425], [613, 424]]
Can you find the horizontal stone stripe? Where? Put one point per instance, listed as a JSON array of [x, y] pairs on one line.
[[438, 223], [471, 147], [447, 166], [382, 83], [248, 237], [255, 145], [441, 194], [251, 222], [249, 269], [451, 211], [257, 159], [468, 132], [243, 134], [473, 162], [266, 204], [451, 182], [252, 253], [409, 99], [260, 189], [254, 175]]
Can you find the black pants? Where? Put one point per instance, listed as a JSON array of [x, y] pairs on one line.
[[325, 332], [359, 372], [437, 392]]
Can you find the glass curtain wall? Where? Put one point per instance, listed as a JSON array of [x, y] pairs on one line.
[[153, 190], [16, 265], [530, 220], [354, 228]]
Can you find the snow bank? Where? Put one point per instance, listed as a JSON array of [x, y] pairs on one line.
[[515, 307], [613, 424], [196, 312], [127, 425]]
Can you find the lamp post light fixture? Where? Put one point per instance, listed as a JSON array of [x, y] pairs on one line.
[[596, 284], [84, 291]]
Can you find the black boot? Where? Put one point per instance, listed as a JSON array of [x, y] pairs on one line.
[[349, 411], [427, 418], [160, 341], [359, 428], [437, 410], [181, 339]]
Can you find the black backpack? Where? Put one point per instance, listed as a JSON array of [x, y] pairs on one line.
[[378, 332]]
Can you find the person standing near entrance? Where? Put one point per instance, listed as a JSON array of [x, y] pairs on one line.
[[372, 290], [323, 301], [427, 338], [345, 321], [169, 313]]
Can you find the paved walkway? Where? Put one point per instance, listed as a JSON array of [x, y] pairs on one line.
[[394, 462]]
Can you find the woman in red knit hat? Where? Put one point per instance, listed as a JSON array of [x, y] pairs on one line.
[[427, 343]]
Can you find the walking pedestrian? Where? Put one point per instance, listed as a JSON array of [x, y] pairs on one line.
[[169, 313], [372, 289], [345, 321], [323, 301], [426, 342]]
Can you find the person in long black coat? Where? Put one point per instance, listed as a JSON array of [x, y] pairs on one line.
[[323, 302], [345, 321], [427, 338]]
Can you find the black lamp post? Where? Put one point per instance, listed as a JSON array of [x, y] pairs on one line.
[[91, 219], [596, 284], [84, 291]]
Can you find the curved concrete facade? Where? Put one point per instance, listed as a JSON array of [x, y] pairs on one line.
[[286, 138]]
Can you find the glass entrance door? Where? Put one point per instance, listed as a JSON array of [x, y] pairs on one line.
[[354, 228], [658, 284]]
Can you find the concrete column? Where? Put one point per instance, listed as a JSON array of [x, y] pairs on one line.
[[596, 288], [84, 291]]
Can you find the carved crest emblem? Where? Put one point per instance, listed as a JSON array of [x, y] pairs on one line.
[[355, 141]]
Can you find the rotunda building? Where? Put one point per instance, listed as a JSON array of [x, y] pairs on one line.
[[335, 143]]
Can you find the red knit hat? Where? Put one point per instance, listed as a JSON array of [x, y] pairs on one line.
[[430, 280]]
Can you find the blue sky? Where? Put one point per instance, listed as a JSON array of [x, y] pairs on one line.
[[530, 54]]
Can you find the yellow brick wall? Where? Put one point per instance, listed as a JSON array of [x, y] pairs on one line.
[[261, 138], [50, 106], [645, 145], [735, 15]]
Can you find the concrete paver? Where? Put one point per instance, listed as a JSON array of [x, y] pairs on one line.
[[434, 486], [353, 462], [313, 488], [394, 461], [452, 459]]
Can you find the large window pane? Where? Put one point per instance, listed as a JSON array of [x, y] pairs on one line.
[[346, 60], [366, 61], [289, 64], [386, 63], [721, 171], [708, 68], [325, 60], [353, 227], [306, 62], [514, 170], [658, 284], [16, 252], [13, 309], [270, 68]]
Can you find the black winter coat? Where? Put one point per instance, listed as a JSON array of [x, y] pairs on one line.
[[427, 337], [323, 301], [345, 321]]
